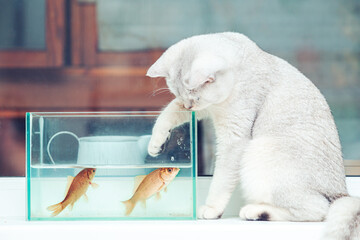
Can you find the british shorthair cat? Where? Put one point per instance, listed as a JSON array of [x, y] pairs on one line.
[[275, 134]]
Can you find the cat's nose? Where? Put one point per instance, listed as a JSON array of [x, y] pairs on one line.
[[189, 105]]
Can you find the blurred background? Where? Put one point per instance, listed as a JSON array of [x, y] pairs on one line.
[[92, 55]]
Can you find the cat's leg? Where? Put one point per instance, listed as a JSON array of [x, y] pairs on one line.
[[305, 206], [172, 116], [279, 187], [224, 181], [297, 208], [233, 133], [169, 118]]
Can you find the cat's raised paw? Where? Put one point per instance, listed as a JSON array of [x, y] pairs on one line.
[[207, 212], [254, 212], [154, 150], [157, 141]]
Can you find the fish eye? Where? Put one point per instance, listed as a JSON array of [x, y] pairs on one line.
[[93, 170], [169, 170]]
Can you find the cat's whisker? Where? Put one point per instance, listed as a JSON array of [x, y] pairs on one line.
[[159, 91], [153, 93]]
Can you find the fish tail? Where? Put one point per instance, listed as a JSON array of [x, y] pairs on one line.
[[57, 208], [129, 205]]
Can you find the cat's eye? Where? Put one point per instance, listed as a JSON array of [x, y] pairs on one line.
[[209, 80]]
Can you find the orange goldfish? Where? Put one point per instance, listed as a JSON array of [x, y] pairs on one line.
[[146, 186], [77, 187]]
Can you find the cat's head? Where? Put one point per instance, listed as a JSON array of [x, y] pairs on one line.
[[198, 70]]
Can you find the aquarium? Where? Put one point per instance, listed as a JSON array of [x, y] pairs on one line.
[[95, 166]]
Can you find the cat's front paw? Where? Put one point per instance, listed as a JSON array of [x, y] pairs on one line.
[[157, 141], [207, 212]]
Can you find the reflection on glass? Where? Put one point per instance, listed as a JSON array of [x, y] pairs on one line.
[[22, 24], [321, 38]]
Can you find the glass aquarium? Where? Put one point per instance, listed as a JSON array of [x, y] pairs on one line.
[[95, 166]]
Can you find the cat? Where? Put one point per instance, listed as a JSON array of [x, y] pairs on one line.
[[275, 134]]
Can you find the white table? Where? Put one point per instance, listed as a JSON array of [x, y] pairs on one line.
[[14, 226]]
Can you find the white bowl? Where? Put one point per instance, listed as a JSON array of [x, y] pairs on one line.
[[114, 150], [127, 150]]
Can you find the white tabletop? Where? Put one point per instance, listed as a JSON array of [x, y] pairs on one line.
[[14, 226]]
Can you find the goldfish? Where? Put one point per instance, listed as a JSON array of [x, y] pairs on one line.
[[77, 187], [147, 185]]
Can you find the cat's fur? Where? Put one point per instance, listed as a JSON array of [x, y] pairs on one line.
[[275, 133]]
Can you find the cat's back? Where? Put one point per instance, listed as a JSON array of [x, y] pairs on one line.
[[293, 103], [297, 119], [295, 109]]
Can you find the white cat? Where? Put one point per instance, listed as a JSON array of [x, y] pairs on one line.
[[275, 133]]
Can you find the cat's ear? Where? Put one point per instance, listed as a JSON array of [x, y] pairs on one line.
[[158, 69], [205, 69]]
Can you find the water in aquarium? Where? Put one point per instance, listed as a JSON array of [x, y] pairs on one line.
[[96, 166]]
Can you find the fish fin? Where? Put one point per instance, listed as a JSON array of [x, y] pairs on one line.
[[158, 196], [137, 181], [56, 209], [161, 187], [94, 185], [129, 206], [71, 206], [69, 182], [86, 197], [143, 203]]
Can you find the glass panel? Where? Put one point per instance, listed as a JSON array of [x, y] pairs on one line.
[[321, 38], [22, 24], [115, 144]]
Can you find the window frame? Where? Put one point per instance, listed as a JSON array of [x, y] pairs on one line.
[[53, 55], [84, 42], [352, 167]]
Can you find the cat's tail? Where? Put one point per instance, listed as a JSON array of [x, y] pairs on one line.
[[343, 220]]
